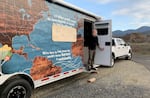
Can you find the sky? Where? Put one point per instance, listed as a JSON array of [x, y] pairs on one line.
[[125, 14]]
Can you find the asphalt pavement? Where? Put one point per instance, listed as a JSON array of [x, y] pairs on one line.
[[127, 79], [142, 59]]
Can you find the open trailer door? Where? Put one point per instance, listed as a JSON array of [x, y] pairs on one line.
[[104, 34]]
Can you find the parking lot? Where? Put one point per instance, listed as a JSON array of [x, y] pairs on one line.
[[127, 79]]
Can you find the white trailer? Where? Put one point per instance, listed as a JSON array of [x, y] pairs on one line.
[[42, 41]]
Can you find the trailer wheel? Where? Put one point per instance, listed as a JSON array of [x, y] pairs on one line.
[[16, 88]]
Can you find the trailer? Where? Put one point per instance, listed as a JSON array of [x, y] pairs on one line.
[[42, 41]]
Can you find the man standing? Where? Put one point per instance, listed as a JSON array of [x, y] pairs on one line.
[[93, 43]]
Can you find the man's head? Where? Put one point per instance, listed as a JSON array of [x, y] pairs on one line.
[[94, 32]]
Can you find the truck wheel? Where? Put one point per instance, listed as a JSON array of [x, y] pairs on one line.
[[16, 88], [113, 61], [129, 57]]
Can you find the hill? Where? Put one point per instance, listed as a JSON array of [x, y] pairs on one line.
[[142, 30], [136, 38]]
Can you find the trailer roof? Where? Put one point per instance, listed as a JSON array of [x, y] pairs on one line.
[[66, 4]]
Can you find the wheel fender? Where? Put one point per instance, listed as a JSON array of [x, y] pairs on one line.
[[6, 77], [130, 50]]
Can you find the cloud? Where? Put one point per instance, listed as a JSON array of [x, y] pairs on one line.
[[139, 23], [138, 10]]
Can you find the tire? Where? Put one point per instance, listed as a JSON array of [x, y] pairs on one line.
[[112, 61], [16, 88], [129, 57]]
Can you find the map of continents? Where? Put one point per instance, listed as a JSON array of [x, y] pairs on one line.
[[18, 18]]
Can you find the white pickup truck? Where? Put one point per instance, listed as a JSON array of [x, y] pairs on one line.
[[120, 49]]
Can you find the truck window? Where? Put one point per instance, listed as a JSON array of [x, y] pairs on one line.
[[122, 42], [119, 42], [62, 33]]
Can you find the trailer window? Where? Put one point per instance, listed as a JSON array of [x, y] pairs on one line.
[[62, 33], [102, 31]]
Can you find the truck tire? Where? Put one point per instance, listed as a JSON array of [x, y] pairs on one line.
[[16, 88], [129, 57], [112, 61]]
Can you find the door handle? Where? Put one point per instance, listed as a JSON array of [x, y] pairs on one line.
[[107, 43]]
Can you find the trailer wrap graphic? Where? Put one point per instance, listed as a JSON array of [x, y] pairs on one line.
[[26, 43]]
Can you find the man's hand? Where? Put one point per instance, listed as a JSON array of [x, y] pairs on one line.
[[101, 49]]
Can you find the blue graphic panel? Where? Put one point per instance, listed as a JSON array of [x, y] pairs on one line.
[[35, 52]]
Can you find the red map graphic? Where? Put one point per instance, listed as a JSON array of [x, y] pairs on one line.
[[17, 17]]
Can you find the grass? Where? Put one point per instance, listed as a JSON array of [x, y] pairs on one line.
[[141, 48]]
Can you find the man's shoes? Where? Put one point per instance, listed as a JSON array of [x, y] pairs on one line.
[[88, 68], [93, 68]]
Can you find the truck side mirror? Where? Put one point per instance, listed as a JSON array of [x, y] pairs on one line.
[[126, 44]]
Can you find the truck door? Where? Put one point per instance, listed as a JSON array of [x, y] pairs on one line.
[[125, 48], [104, 34], [119, 47]]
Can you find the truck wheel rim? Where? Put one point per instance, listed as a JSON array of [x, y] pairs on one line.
[[17, 92], [130, 55]]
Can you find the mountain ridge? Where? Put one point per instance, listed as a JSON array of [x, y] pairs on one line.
[[143, 30]]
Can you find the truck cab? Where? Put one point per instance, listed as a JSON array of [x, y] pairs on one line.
[[120, 49]]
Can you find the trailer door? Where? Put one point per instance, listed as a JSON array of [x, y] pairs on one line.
[[104, 34]]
